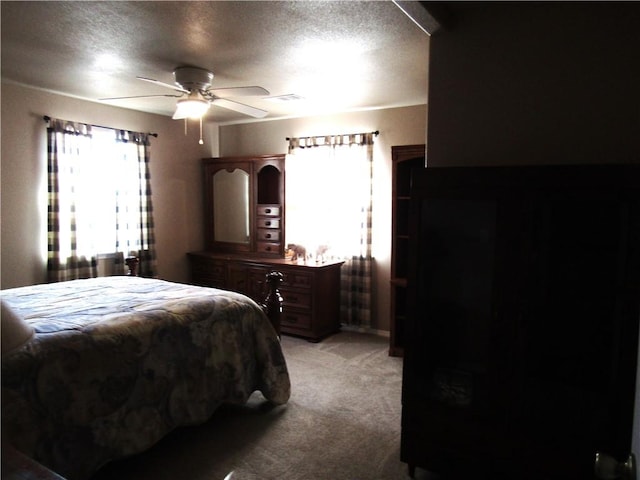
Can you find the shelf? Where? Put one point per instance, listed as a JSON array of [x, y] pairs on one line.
[[405, 160]]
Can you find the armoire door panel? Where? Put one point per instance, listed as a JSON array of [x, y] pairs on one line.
[[523, 311]]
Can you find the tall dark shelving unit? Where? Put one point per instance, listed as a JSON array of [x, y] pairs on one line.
[[405, 158], [523, 302]]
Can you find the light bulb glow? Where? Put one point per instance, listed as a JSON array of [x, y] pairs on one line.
[[190, 108]]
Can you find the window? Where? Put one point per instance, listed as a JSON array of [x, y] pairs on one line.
[[329, 189], [99, 198], [328, 192]]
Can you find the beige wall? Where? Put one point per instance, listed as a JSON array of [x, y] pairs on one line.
[[397, 126], [175, 180], [175, 175], [537, 83]]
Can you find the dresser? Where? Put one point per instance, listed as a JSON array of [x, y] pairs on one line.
[[310, 292]]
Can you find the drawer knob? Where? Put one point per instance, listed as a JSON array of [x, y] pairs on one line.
[[268, 235], [268, 210], [267, 223]]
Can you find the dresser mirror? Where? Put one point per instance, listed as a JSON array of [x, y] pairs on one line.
[[231, 206]]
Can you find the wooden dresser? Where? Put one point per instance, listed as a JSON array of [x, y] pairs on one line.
[[310, 292]]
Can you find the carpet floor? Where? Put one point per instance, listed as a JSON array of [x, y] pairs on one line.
[[342, 422]]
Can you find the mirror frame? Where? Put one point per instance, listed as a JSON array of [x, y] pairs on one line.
[[211, 167]]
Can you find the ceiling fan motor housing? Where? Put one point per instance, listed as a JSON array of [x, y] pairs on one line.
[[193, 78]]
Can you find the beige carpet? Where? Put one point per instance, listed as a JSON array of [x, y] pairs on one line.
[[342, 422]]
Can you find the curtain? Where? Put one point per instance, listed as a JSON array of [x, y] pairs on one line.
[[136, 213], [66, 143], [99, 199], [328, 211]]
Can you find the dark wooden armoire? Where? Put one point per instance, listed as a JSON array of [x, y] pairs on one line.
[[522, 328]]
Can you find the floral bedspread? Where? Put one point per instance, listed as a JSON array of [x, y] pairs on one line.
[[118, 362]]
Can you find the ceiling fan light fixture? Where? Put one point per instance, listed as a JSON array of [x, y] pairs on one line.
[[195, 83], [191, 108]]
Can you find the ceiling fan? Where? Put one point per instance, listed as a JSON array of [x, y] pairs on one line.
[[195, 83]]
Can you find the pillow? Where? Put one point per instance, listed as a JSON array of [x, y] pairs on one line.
[[14, 330]]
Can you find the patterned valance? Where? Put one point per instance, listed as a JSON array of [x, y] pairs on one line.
[[127, 136], [331, 140], [67, 126]]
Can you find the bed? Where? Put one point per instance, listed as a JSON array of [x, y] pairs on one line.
[[115, 363]]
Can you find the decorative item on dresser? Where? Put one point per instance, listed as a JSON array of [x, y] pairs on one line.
[[310, 291], [405, 159], [522, 335]]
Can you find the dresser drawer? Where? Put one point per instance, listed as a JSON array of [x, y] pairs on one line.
[[209, 274], [257, 288], [293, 319], [297, 280], [208, 281], [269, 210], [264, 234], [294, 298], [268, 247], [268, 222]]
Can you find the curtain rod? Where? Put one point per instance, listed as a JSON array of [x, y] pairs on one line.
[[47, 119], [376, 133]]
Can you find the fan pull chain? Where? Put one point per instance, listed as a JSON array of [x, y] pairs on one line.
[[201, 141]]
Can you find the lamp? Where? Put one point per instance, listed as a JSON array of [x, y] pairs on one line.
[[195, 106]]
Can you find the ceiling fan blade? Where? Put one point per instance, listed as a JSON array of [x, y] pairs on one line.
[[240, 107], [139, 96], [239, 92], [162, 84]]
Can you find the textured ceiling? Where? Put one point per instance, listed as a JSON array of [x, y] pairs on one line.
[[338, 56]]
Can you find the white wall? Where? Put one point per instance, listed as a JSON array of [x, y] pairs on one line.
[[175, 180], [397, 126]]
